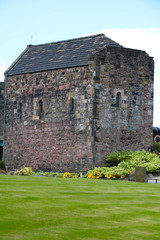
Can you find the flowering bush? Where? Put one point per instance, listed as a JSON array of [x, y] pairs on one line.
[[128, 161], [66, 175], [70, 175], [108, 172], [95, 174], [75, 176]]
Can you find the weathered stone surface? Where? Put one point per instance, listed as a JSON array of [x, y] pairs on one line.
[[141, 174], [1, 109], [59, 138], [69, 119], [128, 126], [1, 116]]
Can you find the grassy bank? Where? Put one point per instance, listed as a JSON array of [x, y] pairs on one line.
[[38, 208]]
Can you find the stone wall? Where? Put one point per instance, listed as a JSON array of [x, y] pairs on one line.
[[48, 118], [70, 119], [1, 109], [127, 125], [1, 117]]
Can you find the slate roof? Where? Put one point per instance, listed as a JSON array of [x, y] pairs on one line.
[[63, 54]]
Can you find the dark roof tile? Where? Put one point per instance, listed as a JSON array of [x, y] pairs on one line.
[[63, 54]]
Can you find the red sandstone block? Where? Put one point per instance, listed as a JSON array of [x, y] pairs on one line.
[[67, 85]]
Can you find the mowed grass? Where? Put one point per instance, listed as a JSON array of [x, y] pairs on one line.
[[72, 209]]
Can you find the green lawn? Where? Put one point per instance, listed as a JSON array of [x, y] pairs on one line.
[[41, 208]]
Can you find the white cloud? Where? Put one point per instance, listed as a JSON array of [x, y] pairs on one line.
[[149, 41]]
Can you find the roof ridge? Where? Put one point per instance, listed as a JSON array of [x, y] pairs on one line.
[[67, 40]]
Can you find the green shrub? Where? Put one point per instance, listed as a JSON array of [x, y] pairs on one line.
[[128, 161], [141, 158], [26, 171], [2, 165], [114, 158]]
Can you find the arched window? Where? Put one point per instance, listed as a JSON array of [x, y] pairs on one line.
[[40, 107], [118, 99]]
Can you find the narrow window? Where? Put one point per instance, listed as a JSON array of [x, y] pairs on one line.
[[72, 105], [40, 107], [118, 100], [20, 109]]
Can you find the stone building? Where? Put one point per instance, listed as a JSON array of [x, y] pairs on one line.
[[1, 117], [70, 103]]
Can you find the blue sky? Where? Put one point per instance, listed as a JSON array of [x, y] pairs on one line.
[[132, 23]]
